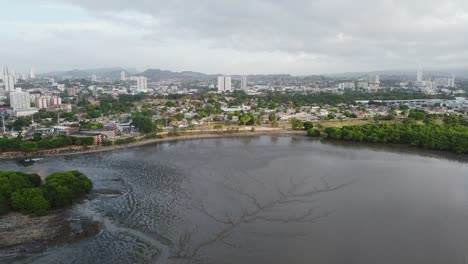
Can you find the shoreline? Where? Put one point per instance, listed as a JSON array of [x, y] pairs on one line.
[[186, 135]]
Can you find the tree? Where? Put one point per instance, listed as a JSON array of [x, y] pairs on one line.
[[244, 119], [11, 182], [143, 123], [296, 124], [4, 208], [312, 132], [65, 187], [308, 125], [31, 201]]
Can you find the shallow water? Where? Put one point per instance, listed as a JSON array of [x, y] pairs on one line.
[[267, 199]]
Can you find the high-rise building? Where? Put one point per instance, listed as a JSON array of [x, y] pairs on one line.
[[42, 102], [227, 83], [3, 73], [122, 75], [374, 79], [94, 78], [141, 83], [419, 76], [244, 82], [224, 84], [32, 73], [20, 99], [221, 84], [9, 81], [452, 83], [55, 100]]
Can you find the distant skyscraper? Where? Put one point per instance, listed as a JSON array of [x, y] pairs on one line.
[[419, 76], [221, 84], [9, 81], [32, 73], [93, 78], [244, 83], [374, 79], [227, 83], [122, 75], [3, 73], [142, 84], [452, 83]]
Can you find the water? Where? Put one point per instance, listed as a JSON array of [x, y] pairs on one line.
[[268, 199]]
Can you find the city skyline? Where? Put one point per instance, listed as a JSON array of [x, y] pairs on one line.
[[73, 34]]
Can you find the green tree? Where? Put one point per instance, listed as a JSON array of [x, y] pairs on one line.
[[143, 123], [31, 201], [308, 125], [4, 208], [296, 124], [244, 119], [63, 188]]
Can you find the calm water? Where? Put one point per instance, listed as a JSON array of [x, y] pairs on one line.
[[268, 199]]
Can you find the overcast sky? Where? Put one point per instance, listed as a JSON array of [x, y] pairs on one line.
[[235, 36]]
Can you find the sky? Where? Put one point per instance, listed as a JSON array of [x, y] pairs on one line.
[[299, 37]]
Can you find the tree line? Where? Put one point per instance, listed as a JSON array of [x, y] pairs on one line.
[[449, 137], [27, 193], [38, 143]]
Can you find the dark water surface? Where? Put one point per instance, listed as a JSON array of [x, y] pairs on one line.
[[268, 199]]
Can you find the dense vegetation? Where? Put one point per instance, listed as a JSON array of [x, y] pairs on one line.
[[19, 144], [450, 136], [274, 99], [25, 192]]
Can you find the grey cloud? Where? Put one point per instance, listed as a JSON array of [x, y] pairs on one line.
[[364, 33]]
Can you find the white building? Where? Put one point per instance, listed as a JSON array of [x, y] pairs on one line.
[[94, 78], [20, 99], [363, 85], [9, 82], [346, 85], [244, 83], [32, 73], [4, 72], [374, 80], [122, 75], [419, 75], [142, 84], [445, 82], [224, 84], [220, 83]]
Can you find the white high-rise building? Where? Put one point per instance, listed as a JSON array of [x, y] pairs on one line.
[[244, 82], [4, 73], [20, 99], [94, 78], [452, 83], [220, 83], [227, 83], [419, 76], [9, 81], [224, 84], [122, 75], [32, 73], [374, 79], [142, 84]]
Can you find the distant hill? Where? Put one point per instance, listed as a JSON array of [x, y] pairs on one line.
[[111, 73], [157, 75], [459, 73]]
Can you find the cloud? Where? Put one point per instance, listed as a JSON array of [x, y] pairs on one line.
[[259, 36]]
